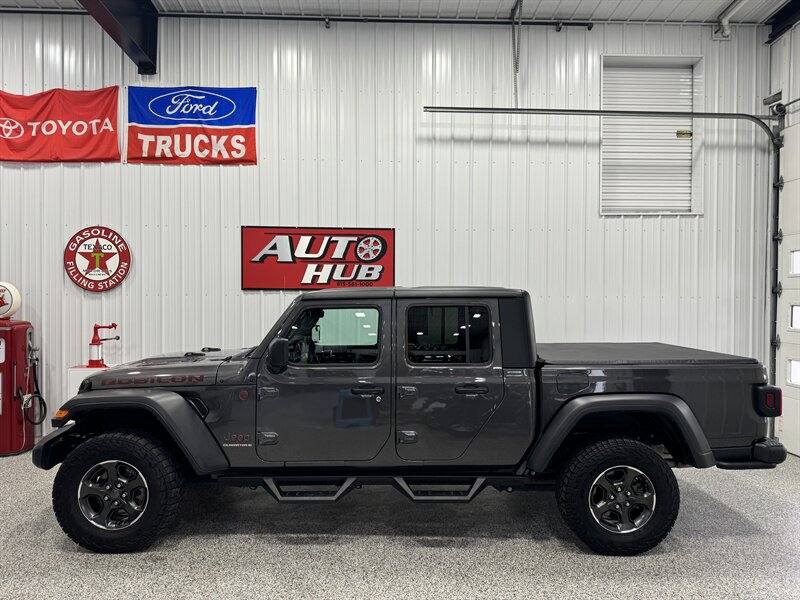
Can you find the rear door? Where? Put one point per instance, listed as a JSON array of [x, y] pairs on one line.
[[449, 375], [334, 401]]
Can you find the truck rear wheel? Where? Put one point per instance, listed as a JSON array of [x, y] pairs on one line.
[[117, 492], [618, 496]]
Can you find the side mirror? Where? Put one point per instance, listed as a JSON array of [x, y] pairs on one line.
[[278, 355]]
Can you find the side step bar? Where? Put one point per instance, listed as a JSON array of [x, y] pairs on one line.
[[309, 490], [422, 490], [418, 489]]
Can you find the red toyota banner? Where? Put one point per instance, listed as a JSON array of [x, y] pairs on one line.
[[303, 258], [60, 126]]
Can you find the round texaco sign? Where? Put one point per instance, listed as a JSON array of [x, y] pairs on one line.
[[10, 300], [97, 259]]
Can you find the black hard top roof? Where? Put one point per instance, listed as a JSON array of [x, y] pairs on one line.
[[414, 292]]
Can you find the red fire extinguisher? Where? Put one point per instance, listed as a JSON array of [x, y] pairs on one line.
[[96, 346]]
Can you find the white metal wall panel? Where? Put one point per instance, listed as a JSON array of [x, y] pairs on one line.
[[646, 167], [343, 141]]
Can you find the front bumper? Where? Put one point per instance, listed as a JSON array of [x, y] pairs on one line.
[[53, 447], [766, 453]]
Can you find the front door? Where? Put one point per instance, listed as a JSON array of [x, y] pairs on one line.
[[449, 375], [334, 401]]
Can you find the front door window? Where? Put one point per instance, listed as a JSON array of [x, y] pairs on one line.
[[324, 336]]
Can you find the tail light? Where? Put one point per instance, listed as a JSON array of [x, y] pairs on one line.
[[769, 401]]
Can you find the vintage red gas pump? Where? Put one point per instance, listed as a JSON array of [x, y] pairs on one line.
[[19, 385]]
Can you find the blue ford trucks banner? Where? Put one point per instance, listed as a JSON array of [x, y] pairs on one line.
[[192, 125]]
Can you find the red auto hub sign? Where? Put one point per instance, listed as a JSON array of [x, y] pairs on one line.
[[97, 259], [301, 258]]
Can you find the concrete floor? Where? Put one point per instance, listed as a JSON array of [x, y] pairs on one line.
[[738, 536]]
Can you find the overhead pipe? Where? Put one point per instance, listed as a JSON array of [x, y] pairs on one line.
[[724, 19], [376, 19], [762, 121]]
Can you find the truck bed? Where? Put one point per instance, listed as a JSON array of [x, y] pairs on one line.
[[649, 353]]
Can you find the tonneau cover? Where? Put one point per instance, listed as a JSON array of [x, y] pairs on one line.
[[654, 353]]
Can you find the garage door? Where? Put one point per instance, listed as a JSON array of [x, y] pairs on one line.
[[788, 372]]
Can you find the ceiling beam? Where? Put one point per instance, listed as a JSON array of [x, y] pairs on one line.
[[783, 20], [133, 24]]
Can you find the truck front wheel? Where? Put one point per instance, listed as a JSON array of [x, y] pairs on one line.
[[618, 496], [117, 492]]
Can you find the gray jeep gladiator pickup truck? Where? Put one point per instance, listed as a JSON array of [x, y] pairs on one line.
[[439, 392]]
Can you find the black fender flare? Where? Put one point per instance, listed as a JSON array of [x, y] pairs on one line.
[[184, 426], [670, 407]]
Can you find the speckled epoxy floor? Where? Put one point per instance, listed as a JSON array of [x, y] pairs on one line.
[[738, 536]]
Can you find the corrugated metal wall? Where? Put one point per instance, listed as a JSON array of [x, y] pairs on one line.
[[343, 141]]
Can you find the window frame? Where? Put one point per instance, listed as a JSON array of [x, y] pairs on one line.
[[448, 303], [792, 325], [789, 272], [697, 63], [789, 361], [303, 306]]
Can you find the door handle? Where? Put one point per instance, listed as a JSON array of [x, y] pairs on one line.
[[406, 391], [268, 392], [267, 438], [471, 389], [366, 390], [406, 437]]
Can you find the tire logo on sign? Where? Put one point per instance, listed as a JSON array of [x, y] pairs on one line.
[[370, 248], [97, 259], [10, 129]]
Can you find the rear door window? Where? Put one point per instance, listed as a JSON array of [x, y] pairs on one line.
[[458, 334]]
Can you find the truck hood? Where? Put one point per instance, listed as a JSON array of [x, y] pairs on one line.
[[180, 369]]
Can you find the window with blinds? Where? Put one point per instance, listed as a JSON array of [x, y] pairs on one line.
[[646, 162]]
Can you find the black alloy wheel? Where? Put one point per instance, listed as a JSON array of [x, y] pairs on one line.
[[622, 499], [113, 495], [118, 491], [619, 496]]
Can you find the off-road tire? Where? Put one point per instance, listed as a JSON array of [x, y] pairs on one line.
[[155, 461], [586, 465]]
